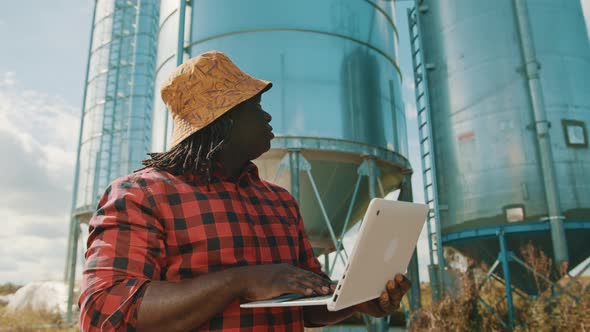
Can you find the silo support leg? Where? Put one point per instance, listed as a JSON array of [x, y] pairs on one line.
[[414, 276], [553, 284], [504, 257], [489, 274], [72, 277], [322, 208], [294, 167], [340, 247], [68, 251]]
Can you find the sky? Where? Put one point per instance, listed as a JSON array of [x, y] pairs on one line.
[[42, 67]]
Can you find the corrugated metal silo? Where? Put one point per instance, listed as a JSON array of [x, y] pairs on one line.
[[116, 123], [484, 103], [115, 129]]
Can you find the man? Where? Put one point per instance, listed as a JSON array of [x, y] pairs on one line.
[[178, 245]]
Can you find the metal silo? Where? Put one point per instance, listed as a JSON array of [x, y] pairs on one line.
[[115, 127], [336, 101], [337, 110], [508, 107]]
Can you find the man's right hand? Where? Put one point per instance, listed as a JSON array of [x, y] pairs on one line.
[[263, 282]]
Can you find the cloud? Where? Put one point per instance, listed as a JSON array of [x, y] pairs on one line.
[[38, 136], [8, 77]]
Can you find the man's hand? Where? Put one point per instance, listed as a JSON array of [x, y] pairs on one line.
[[390, 299], [264, 282]]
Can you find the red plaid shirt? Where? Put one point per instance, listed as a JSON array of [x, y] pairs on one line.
[[152, 225]]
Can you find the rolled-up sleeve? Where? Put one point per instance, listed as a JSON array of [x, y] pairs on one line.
[[125, 251]]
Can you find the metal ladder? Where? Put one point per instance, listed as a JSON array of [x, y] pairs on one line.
[[420, 68]]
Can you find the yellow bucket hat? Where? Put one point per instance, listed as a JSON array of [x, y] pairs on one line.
[[203, 88]]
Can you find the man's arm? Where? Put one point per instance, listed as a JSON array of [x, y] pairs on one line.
[[183, 306]]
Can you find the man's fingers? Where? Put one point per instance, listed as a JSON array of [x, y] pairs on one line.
[[314, 285], [298, 288], [395, 292], [385, 303], [404, 282], [316, 280]]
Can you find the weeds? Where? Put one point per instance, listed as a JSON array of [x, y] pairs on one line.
[[554, 309]]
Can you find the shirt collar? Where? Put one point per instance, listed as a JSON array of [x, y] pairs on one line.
[[248, 175]]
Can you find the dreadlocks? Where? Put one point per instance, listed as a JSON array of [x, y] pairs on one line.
[[195, 152]]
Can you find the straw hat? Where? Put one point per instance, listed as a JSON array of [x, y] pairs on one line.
[[203, 88]]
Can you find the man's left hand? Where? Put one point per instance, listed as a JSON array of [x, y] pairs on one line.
[[390, 299]]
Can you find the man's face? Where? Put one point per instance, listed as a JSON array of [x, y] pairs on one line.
[[251, 132]]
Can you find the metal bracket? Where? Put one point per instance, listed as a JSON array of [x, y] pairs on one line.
[[284, 164], [533, 126], [363, 169]]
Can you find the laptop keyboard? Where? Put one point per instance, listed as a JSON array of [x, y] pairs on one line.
[[299, 297]]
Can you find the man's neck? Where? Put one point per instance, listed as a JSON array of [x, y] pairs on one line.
[[231, 163]]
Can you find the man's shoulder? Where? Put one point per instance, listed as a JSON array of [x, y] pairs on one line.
[[147, 178], [281, 192]]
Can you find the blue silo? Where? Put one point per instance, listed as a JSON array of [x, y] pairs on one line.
[[115, 128], [336, 100], [508, 108], [336, 103]]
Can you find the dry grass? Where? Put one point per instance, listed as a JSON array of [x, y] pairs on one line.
[[548, 312], [8, 288], [28, 321]]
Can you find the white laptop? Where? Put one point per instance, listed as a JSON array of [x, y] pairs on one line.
[[387, 238]]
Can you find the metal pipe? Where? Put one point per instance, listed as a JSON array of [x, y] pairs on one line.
[[489, 274], [372, 178], [542, 126], [294, 168], [77, 171], [506, 270], [407, 195]]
